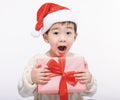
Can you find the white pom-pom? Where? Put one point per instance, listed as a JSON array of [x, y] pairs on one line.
[[35, 33]]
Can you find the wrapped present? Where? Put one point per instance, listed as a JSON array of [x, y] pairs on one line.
[[63, 81]]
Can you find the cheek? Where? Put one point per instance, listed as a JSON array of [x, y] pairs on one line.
[[52, 43], [71, 40], [51, 40]]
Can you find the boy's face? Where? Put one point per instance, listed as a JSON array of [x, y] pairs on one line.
[[60, 37]]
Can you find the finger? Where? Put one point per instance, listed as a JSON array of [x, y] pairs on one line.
[[46, 67], [83, 81], [81, 71], [81, 78], [79, 75], [46, 79], [45, 74], [42, 82], [45, 71]]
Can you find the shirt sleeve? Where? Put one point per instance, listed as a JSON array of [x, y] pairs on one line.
[[25, 86], [91, 88]]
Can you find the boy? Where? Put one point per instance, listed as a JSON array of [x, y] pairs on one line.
[[59, 29]]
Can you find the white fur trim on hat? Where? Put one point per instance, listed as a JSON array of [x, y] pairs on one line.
[[35, 33], [58, 16]]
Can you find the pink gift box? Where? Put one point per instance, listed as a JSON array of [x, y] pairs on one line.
[[71, 64]]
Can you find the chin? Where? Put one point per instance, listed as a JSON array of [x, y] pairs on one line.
[[61, 55]]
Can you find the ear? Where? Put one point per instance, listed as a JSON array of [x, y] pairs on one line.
[[75, 36], [45, 37]]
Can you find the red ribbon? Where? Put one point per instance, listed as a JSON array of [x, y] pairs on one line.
[[67, 77]]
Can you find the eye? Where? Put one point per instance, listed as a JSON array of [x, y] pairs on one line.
[[55, 33], [68, 33]]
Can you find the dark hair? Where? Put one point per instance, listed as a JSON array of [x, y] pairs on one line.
[[68, 22]]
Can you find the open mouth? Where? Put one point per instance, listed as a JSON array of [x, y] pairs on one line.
[[62, 48]]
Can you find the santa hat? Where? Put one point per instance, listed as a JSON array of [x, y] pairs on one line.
[[50, 13]]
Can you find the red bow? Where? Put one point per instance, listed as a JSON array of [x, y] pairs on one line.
[[67, 77]]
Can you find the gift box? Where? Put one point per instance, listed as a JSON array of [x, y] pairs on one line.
[[63, 80]]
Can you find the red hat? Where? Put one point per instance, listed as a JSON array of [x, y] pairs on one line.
[[50, 13]]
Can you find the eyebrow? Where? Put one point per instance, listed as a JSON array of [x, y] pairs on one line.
[[56, 28], [69, 27]]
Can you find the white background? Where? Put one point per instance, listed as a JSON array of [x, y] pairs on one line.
[[98, 41]]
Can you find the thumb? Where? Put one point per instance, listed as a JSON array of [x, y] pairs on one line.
[[86, 65], [38, 66]]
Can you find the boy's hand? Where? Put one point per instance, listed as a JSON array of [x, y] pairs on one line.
[[84, 76], [40, 75]]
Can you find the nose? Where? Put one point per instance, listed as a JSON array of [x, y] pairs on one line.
[[62, 38]]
